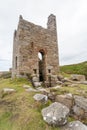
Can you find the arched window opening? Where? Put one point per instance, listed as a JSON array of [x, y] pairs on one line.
[[41, 57]]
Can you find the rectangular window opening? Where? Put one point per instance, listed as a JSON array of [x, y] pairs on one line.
[[49, 70], [35, 71]]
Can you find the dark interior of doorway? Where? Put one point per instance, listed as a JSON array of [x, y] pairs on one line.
[[41, 56]]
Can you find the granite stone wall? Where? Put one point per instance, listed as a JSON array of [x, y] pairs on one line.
[[29, 40]]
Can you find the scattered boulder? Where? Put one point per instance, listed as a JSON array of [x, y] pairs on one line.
[[77, 77], [37, 84], [74, 85], [43, 90], [31, 90], [67, 100], [35, 79], [56, 87], [66, 80], [80, 108], [66, 84], [78, 111], [60, 77], [41, 98], [56, 114], [59, 82], [81, 102], [8, 90], [51, 96], [26, 86], [75, 125], [84, 82]]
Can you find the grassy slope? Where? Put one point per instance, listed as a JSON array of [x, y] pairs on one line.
[[80, 68], [19, 111]]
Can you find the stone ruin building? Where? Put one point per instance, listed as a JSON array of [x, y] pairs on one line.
[[31, 40]]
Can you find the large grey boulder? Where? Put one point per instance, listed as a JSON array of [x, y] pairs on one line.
[[40, 97], [78, 111], [81, 102], [77, 77], [66, 99], [80, 108], [75, 125], [56, 114]]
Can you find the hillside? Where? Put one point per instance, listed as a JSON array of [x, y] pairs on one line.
[[80, 68], [19, 111]]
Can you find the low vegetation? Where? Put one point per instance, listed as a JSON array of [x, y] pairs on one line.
[[80, 68], [80, 90], [19, 111], [5, 75]]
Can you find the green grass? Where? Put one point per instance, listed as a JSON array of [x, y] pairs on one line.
[[80, 90], [19, 111], [80, 68]]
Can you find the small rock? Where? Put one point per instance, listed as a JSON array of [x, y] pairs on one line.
[[43, 90], [84, 82], [59, 82], [37, 84], [35, 79], [56, 114], [60, 77], [67, 84], [74, 85], [31, 90], [69, 95], [65, 80], [8, 90], [51, 96], [56, 87], [40, 97], [26, 86]]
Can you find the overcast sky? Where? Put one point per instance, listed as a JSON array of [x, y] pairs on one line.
[[71, 26]]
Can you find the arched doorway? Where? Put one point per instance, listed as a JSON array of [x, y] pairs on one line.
[[41, 63]]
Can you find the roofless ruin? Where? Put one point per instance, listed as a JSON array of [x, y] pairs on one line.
[[35, 51]]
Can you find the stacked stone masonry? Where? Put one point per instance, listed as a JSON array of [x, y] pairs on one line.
[[29, 41]]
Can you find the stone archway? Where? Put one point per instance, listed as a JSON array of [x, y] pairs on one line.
[[42, 66]]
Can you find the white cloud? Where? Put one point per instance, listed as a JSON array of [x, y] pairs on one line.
[[71, 23]]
